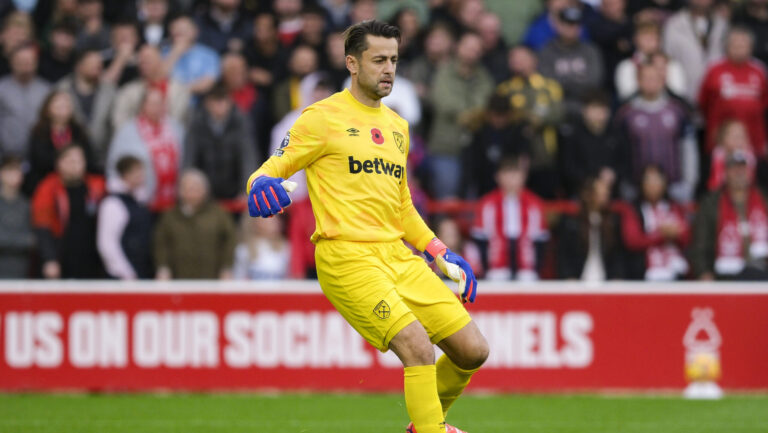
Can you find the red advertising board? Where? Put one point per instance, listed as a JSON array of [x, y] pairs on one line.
[[284, 335]]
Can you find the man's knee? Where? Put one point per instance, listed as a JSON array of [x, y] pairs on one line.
[[412, 346], [474, 355]]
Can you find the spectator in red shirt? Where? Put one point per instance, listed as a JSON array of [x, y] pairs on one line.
[[736, 88], [510, 225]]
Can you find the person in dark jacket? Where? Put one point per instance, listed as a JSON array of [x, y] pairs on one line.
[[16, 238], [223, 27], [496, 139], [56, 128], [124, 232], [655, 232], [589, 147], [220, 144], [64, 217], [730, 231], [589, 244]]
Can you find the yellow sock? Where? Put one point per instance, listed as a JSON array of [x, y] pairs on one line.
[[421, 399], [451, 381]]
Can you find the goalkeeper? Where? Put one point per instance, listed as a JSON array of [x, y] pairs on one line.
[[354, 151]]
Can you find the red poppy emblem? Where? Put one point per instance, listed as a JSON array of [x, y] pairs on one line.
[[377, 136]]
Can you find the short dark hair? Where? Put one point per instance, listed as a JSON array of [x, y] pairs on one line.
[[11, 161], [218, 91], [596, 97], [355, 36], [126, 164], [512, 162]]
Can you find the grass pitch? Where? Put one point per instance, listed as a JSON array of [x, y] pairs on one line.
[[313, 413]]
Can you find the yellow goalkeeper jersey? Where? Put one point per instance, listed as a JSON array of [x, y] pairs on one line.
[[354, 157]]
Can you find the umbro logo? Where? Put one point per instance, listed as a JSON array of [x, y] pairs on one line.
[[353, 132]]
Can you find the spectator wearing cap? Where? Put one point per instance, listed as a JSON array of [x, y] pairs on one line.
[[94, 33], [730, 230], [591, 147], [647, 41], [655, 232], [16, 237], [577, 65], [58, 58], [537, 107], [656, 129], [220, 143], [544, 29], [497, 139], [736, 88], [195, 239], [190, 63], [93, 91], [21, 95], [459, 93], [223, 27], [64, 209], [731, 137], [694, 37], [154, 76], [124, 231], [510, 226]]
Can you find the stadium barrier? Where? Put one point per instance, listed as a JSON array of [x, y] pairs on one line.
[[284, 335]]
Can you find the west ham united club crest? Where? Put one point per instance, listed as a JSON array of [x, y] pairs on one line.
[[399, 141], [382, 310]]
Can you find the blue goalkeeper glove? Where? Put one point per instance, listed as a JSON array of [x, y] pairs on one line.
[[453, 266], [269, 196]]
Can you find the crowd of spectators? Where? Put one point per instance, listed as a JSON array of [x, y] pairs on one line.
[[592, 140]]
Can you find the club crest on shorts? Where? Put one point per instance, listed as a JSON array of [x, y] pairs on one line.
[[382, 310], [283, 144], [399, 141]]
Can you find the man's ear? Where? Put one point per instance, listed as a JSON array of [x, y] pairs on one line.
[[352, 64]]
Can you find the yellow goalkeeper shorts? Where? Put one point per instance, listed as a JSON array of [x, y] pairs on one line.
[[381, 287]]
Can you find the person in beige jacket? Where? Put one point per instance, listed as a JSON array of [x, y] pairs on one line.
[[154, 74]]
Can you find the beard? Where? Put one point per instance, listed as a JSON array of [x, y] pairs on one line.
[[373, 87]]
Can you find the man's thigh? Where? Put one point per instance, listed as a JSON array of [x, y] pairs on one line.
[[358, 281], [429, 298]]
